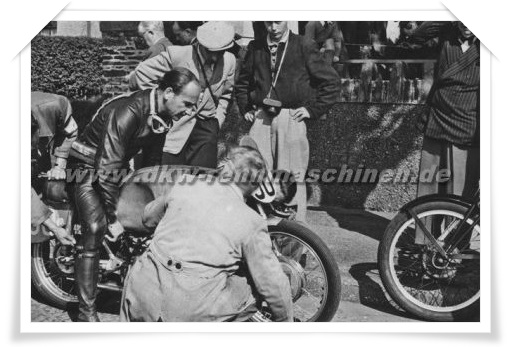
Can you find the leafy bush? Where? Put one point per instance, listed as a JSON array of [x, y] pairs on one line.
[[69, 66]]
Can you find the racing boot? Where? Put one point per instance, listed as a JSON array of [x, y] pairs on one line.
[[86, 277]]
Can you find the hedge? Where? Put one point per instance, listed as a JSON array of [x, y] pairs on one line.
[[69, 66], [356, 135]]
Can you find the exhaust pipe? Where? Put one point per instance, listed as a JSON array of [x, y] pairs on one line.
[[110, 287]]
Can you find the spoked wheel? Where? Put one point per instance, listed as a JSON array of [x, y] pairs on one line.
[[418, 277], [311, 269], [53, 273]]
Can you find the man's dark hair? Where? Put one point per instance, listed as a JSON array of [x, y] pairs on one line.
[[189, 25], [177, 79]]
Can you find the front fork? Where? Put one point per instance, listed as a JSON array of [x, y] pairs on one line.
[[453, 240]]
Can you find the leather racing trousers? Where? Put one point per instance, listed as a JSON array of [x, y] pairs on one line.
[[92, 217]]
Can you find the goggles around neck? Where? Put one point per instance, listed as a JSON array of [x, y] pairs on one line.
[[155, 122], [158, 125]]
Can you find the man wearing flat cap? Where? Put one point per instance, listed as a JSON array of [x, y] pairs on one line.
[[193, 140]]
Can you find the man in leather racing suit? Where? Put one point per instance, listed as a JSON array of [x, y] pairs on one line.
[[101, 155]]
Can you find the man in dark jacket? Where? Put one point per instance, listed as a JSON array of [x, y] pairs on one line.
[[101, 154], [284, 81], [328, 38], [451, 128]]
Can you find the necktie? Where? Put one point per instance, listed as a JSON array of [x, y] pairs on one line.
[[209, 71], [274, 47]]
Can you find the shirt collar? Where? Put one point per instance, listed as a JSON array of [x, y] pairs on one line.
[[163, 39], [283, 39], [471, 41]]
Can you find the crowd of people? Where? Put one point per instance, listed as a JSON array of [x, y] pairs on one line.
[[180, 99]]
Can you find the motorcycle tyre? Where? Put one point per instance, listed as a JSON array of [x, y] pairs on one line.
[[303, 233], [384, 266], [49, 293]]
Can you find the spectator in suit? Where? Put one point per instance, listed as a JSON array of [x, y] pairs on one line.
[[451, 128], [328, 37], [185, 33], [193, 140], [153, 34]]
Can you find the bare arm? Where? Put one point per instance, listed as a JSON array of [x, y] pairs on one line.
[[154, 212]]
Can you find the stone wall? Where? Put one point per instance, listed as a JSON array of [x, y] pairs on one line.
[[122, 51]]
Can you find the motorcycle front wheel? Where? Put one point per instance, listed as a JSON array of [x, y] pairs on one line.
[[311, 269], [418, 278], [52, 267]]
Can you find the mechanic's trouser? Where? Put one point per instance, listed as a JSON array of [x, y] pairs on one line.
[[92, 216], [283, 143]]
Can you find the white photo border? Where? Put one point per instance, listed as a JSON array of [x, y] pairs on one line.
[[361, 327]]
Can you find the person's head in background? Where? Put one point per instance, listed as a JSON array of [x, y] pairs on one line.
[[464, 33], [185, 32], [407, 28], [276, 30], [151, 31], [214, 38]]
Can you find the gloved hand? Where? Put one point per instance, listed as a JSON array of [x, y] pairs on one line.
[[56, 173]]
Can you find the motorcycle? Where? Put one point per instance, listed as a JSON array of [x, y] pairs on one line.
[[306, 260]]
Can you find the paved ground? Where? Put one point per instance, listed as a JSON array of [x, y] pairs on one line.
[[353, 237]]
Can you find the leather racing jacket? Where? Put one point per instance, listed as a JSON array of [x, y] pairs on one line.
[[117, 132]]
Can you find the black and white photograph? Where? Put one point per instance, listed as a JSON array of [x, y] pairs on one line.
[[255, 171]]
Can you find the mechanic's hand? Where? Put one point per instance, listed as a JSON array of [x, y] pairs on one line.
[[249, 116], [60, 233], [114, 231], [300, 114], [336, 59], [56, 173], [63, 237]]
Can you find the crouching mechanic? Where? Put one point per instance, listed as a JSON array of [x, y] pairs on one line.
[[209, 251], [53, 130], [117, 132]]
